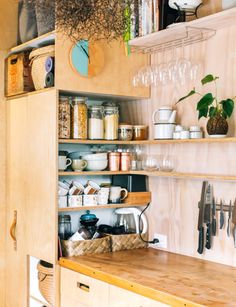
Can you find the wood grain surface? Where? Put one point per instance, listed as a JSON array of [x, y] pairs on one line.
[[174, 210], [170, 278]]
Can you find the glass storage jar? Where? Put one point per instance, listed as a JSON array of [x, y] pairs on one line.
[[111, 122], [64, 118], [64, 229], [114, 161], [125, 161], [96, 125], [79, 120]]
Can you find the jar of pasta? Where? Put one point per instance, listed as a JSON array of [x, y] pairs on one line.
[[111, 122], [79, 121], [64, 117]]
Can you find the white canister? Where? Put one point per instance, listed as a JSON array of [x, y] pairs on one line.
[[103, 196], [184, 135], [90, 200], [62, 201], [176, 135], [75, 201], [196, 135], [163, 131], [228, 4]]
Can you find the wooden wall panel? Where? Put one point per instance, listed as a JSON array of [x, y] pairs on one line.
[[114, 79], [174, 209]]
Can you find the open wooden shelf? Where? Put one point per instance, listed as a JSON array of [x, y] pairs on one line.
[[178, 33], [91, 173], [43, 40], [103, 142], [148, 142], [108, 206], [30, 93], [177, 175]]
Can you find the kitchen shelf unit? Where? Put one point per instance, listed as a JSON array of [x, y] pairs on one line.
[[108, 206], [185, 33]]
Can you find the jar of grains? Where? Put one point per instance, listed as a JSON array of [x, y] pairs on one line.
[[64, 117], [79, 125], [96, 125], [111, 122]]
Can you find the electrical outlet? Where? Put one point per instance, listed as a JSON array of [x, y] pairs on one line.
[[162, 240]]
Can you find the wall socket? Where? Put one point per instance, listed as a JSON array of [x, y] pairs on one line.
[[162, 240]]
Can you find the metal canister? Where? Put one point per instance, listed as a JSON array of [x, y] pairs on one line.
[[125, 162], [114, 161]]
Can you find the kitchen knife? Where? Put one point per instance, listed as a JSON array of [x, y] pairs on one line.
[[201, 218], [214, 217], [208, 215], [229, 219], [234, 222], [222, 217]]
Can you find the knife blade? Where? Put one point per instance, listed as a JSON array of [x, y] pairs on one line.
[[234, 222], [222, 217], [201, 218], [214, 217], [229, 219], [208, 215]]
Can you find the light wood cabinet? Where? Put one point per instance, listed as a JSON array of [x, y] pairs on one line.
[[80, 290]]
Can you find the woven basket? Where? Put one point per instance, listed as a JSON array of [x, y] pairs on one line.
[[96, 246], [127, 241], [46, 282], [38, 58]]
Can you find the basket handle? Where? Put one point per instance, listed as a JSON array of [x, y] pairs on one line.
[[13, 230], [43, 276]]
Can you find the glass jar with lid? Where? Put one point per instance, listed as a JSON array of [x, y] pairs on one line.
[[64, 227], [64, 118], [111, 122], [79, 120], [96, 124]]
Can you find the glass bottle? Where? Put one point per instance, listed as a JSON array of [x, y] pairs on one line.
[[96, 124], [64, 227], [111, 122], [64, 130], [79, 120]]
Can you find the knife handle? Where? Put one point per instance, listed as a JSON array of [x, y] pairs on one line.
[[200, 240], [214, 227], [208, 236]]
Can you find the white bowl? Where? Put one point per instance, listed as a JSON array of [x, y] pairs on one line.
[[97, 157], [96, 165]]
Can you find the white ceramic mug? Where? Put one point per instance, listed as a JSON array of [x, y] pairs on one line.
[[79, 165], [103, 196], [115, 194], [90, 200], [63, 163], [75, 201]]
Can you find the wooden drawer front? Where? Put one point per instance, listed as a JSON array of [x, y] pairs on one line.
[[85, 290], [124, 298]]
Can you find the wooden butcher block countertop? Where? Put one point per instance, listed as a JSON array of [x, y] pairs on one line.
[[169, 278]]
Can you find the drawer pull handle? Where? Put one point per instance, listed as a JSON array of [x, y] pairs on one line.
[[13, 230], [83, 286]]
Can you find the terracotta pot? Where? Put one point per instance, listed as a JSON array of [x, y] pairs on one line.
[[217, 126]]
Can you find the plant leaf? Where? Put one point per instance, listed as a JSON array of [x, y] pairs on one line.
[[212, 111], [202, 113], [208, 79], [205, 101], [228, 106], [189, 94]]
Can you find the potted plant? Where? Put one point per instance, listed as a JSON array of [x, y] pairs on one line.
[[210, 107]]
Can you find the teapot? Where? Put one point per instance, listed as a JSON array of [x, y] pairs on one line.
[[165, 115]]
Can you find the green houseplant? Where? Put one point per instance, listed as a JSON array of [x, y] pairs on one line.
[[210, 107]]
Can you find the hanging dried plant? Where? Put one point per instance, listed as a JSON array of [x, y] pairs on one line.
[[89, 19]]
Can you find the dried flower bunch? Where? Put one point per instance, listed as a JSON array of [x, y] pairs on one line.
[[89, 19]]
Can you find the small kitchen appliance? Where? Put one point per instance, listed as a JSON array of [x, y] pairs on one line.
[[129, 218], [164, 123]]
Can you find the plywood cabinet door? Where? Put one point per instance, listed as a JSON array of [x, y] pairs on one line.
[[124, 298], [41, 154], [16, 258]]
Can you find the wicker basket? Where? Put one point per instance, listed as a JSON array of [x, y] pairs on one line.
[[96, 246], [46, 281], [38, 58], [127, 241]]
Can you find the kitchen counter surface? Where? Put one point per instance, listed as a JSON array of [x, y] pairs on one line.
[[169, 278]]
